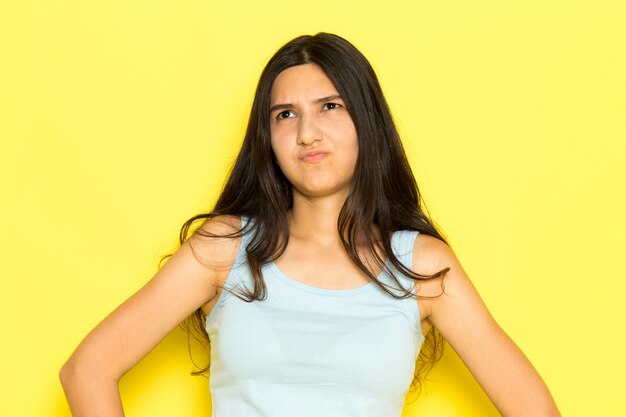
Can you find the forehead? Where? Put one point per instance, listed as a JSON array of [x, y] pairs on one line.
[[306, 81]]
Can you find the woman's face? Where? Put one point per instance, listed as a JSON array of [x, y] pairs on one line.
[[300, 122]]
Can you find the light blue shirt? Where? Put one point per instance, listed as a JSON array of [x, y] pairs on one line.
[[312, 352]]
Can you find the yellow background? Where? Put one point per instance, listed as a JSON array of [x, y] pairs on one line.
[[119, 120]]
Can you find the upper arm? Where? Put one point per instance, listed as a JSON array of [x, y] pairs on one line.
[[181, 286], [496, 362]]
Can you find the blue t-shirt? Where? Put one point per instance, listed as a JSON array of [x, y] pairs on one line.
[[312, 352]]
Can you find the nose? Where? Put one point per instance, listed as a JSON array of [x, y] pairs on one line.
[[308, 130]]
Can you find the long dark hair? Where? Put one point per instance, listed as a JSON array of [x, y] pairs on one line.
[[383, 190]]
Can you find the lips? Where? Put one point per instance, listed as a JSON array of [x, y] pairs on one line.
[[313, 156]]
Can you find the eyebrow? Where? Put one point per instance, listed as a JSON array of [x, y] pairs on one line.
[[290, 106]]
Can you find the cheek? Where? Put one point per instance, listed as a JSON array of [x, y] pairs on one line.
[[278, 139], [281, 153], [347, 137], [344, 131]]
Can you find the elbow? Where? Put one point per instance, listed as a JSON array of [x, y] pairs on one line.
[[66, 373], [72, 372]]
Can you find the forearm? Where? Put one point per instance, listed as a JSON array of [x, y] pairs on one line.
[[531, 401], [92, 395]]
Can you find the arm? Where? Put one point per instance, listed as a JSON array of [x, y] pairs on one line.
[[91, 375], [496, 362]]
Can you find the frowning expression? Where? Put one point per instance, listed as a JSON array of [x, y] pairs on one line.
[[307, 115]]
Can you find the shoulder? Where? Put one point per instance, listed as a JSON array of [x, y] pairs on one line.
[[449, 292], [430, 256], [213, 245], [216, 230], [226, 223]]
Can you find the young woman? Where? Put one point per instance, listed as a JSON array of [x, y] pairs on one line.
[[320, 283]]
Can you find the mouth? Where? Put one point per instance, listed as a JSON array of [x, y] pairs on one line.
[[314, 157]]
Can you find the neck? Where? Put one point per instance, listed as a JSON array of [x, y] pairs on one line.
[[316, 221]]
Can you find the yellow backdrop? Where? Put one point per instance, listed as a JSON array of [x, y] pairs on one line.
[[120, 119]]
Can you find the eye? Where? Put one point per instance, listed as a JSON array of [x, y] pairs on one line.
[[282, 112], [279, 115], [334, 104]]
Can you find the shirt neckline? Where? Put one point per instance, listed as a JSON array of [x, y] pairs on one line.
[[325, 291]]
